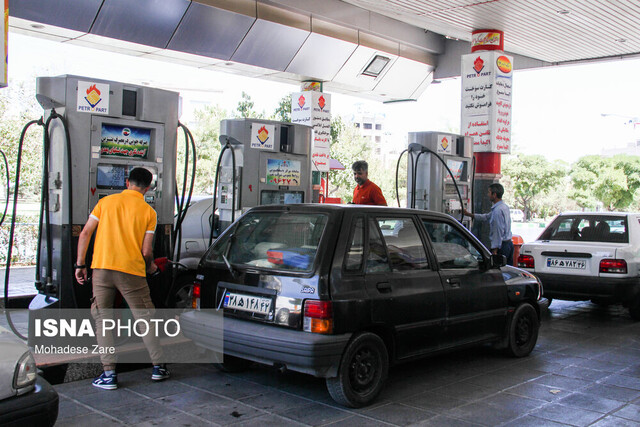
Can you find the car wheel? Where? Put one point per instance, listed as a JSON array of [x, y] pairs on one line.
[[233, 364], [523, 331], [362, 371], [182, 291]]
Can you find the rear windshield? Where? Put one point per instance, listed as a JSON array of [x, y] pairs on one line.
[[601, 228], [272, 240]]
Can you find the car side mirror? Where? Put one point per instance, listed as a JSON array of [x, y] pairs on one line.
[[498, 261]]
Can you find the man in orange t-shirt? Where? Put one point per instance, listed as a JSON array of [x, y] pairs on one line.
[[366, 192], [122, 258]]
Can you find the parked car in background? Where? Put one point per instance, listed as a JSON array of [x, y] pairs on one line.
[[26, 399], [344, 291], [589, 256], [516, 215]]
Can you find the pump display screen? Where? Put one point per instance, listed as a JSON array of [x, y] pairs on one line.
[[458, 168], [114, 177], [273, 197], [124, 141]]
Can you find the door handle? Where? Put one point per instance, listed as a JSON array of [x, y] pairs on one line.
[[383, 287], [454, 283]]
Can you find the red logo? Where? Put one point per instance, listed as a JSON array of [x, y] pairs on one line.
[[321, 102], [93, 88], [301, 101], [478, 65]]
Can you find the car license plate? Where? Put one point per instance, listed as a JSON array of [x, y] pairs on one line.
[[247, 303], [576, 264]]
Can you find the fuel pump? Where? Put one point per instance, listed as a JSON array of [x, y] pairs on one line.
[[106, 129], [262, 162], [440, 173]]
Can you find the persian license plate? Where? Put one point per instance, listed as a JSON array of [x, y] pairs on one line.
[[576, 264], [248, 303]]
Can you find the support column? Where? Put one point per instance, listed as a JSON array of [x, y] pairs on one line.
[[487, 75]]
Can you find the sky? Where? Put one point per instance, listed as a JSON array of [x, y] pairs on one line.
[[557, 111]]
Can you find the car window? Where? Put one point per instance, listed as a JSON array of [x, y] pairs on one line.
[[355, 252], [406, 251], [377, 260], [274, 240], [588, 228], [452, 248]]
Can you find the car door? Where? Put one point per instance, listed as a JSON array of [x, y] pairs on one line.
[[406, 292], [476, 296]]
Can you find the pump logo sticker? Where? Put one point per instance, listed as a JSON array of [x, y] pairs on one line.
[[444, 144], [93, 98], [478, 65], [321, 102], [262, 136], [301, 101]]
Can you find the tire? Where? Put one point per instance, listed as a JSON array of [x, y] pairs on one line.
[[362, 372], [182, 291], [233, 364], [523, 331]]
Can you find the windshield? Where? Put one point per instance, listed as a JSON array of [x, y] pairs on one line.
[[588, 228], [272, 240]]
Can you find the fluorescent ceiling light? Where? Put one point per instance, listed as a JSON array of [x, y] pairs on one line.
[[376, 66]]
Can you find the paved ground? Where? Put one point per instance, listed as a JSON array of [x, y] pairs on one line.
[[584, 371]]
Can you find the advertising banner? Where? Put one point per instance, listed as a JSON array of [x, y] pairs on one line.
[[124, 141], [283, 172], [486, 100]]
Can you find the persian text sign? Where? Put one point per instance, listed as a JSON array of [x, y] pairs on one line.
[[283, 172], [486, 100], [314, 109]]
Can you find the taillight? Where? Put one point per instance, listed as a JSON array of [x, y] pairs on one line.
[[318, 316], [274, 257], [195, 301], [618, 266], [526, 261]]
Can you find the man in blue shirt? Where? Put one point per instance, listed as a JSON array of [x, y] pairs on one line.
[[499, 223]]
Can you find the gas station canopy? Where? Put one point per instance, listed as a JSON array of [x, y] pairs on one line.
[[386, 50]]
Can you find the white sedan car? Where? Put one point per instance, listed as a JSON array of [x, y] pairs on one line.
[[26, 399], [589, 256]]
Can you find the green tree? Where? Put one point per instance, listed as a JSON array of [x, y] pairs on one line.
[[347, 146], [245, 108], [531, 176], [205, 133], [283, 111], [18, 106], [613, 181]]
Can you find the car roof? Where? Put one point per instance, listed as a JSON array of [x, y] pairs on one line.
[[323, 207], [598, 213]]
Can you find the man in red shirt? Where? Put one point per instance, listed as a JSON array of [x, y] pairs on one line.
[[366, 192]]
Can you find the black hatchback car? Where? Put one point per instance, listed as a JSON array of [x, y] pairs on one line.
[[343, 291]]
